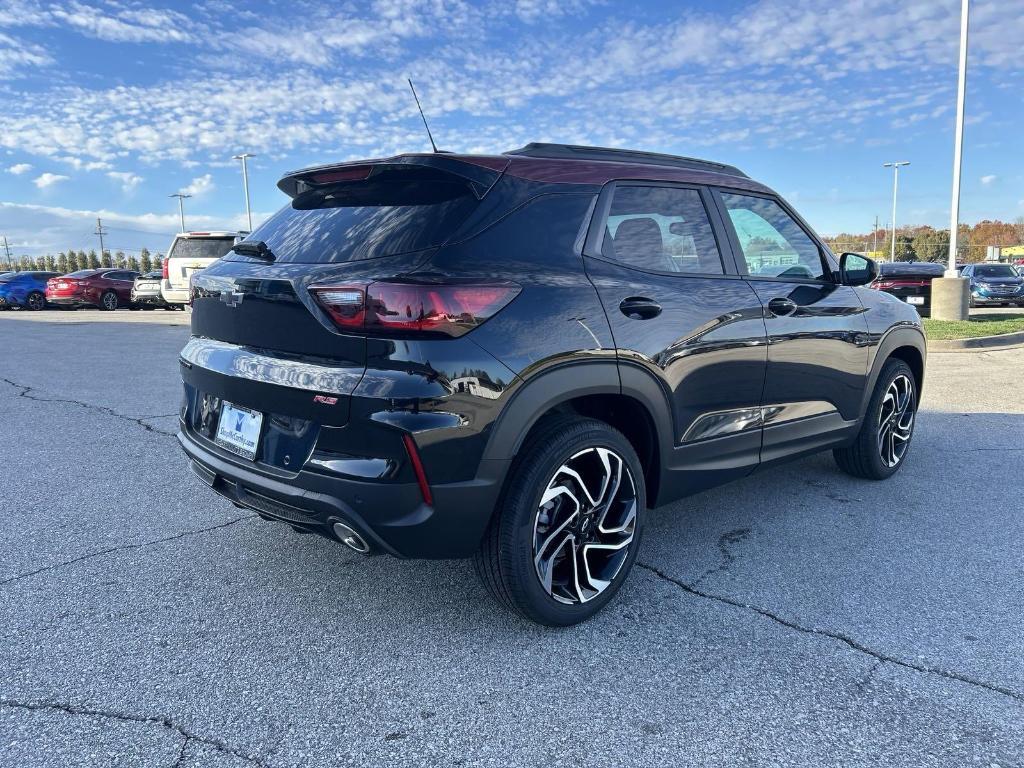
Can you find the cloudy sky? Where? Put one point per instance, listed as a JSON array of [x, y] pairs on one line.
[[109, 107]]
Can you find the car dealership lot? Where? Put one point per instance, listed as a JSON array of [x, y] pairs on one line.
[[796, 617]]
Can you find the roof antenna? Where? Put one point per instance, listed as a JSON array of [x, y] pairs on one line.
[[429, 136]]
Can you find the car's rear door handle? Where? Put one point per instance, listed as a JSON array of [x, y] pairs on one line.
[[639, 308], [781, 307]]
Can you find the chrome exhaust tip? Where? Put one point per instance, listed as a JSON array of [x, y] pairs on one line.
[[350, 538]]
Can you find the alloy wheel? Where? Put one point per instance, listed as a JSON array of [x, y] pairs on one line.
[[584, 525], [896, 421], [109, 301], [36, 301]]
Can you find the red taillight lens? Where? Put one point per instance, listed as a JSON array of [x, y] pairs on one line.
[[417, 468], [163, 270], [451, 309], [882, 285]]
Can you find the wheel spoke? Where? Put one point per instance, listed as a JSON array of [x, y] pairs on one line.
[[896, 420]]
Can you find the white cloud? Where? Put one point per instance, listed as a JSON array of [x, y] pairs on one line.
[[125, 25], [129, 181], [201, 185], [18, 56], [987, 180], [48, 179], [44, 229], [19, 168]]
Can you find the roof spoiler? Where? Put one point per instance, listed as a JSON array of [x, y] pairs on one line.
[[480, 178]]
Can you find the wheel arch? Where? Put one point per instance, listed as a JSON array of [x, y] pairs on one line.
[[905, 343], [626, 398]]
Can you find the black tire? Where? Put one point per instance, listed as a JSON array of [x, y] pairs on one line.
[[864, 457], [35, 301], [169, 307], [506, 559], [108, 301]]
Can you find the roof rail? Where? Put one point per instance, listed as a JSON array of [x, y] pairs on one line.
[[576, 152]]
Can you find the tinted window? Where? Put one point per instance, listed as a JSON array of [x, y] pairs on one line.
[[773, 244], [661, 229], [994, 270], [391, 213], [200, 247], [8, 277], [81, 273]]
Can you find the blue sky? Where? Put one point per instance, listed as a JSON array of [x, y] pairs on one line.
[[109, 107]]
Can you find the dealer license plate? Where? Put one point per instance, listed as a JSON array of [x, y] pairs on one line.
[[239, 430]]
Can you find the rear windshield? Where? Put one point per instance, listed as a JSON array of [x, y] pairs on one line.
[[200, 247], [392, 213], [81, 273], [8, 276], [995, 270]]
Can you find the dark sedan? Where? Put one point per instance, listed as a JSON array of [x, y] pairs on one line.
[[909, 281], [107, 289]]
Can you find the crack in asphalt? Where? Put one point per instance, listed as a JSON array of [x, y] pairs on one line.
[[832, 635], [127, 717], [26, 392], [725, 543], [125, 547]]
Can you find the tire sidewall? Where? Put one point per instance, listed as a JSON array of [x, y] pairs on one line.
[[42, 301], [103, 301], [520, 510]]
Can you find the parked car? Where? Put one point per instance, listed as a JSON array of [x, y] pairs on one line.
[[26, 290], [513, 357], [189, 253], [909, 281], [146, 292], [107, 289], [994, 284]]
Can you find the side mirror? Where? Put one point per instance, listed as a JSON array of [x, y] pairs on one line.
[[855, 269]]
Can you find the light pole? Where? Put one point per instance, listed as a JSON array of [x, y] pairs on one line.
[[961, 95], [181, 207], [245, 184], [895, 185]]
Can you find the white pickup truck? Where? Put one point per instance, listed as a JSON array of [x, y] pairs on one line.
[[191, 252]]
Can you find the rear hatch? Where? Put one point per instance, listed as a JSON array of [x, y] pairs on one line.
[[193, 252], [260, 338]]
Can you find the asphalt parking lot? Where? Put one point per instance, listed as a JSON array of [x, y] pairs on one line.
[[798, 617]]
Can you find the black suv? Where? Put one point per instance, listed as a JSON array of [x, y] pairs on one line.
[[513, 357]]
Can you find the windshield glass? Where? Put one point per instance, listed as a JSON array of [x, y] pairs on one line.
[[391, 213], [995, 270], [200, 247], [7, 277]]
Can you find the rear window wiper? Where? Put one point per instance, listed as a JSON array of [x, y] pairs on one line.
[[256, 248]]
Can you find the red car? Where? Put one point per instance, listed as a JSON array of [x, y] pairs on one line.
[[107, 289]]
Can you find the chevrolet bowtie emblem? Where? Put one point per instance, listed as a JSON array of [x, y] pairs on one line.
[[232, 298]]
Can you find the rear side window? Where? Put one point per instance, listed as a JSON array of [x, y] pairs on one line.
[[661, 229], [390, 213], [200, 247], [773, 244]]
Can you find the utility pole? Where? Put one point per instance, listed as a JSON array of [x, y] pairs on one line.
[[99, 231], [181, 207], [874, 237], [245, 184], [7, 248], [895, 185]]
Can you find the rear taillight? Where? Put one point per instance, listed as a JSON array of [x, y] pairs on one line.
[[163, 270], [882, 285], [394, 308]]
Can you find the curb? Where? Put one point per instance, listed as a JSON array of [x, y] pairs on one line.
[[978, 343]]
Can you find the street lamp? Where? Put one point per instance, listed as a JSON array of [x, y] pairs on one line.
[[961, 94], [245, 184], [181, 207], [895, 185]]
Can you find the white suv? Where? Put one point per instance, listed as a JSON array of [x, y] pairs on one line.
[[191, 252]]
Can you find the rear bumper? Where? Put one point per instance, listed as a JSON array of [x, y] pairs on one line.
[[175, 295], [392, 517], [148, 298], [70, 301]]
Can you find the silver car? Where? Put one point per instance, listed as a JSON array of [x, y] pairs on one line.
[[146, 291]]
